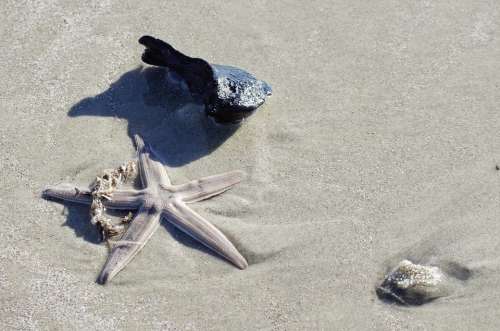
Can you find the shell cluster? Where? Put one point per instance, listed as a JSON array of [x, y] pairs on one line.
[[103, 188]]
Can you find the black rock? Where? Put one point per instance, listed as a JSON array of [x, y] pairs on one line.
[[229, 94]]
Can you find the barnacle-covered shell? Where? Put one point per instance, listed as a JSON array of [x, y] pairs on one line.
[[414, 284]]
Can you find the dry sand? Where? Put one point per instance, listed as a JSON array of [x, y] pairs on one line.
[[379, 143]]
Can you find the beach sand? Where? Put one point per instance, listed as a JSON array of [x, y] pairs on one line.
[[379, 144]]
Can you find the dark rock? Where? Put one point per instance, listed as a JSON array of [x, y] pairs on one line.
[[229, 94]]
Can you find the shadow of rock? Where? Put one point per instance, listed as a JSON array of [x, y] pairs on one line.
[[158, 106]]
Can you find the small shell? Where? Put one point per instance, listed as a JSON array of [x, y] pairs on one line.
[[414, 284]]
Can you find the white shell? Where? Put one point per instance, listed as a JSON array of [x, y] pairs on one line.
[[414, 284]]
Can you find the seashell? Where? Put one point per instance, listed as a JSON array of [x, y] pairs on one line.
[[230, 94], [414, 284]]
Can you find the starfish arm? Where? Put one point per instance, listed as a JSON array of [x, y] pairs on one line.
[[208, 187], [68, 192], [124, 250], [201, 230], [125, 199], [121, 199], [151, 168]]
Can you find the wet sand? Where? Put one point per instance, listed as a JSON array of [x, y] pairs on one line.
[[379, 144]]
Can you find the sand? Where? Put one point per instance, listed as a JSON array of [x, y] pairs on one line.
[[379, 144]]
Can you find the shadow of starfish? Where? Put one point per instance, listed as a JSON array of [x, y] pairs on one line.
[[157, 199]]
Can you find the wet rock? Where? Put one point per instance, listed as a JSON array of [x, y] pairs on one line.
[[414, 284], [230, 94]]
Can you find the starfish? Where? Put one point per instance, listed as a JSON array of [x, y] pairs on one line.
[[158, 199]]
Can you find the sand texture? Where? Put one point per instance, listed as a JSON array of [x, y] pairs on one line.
[[379, 144]]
